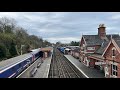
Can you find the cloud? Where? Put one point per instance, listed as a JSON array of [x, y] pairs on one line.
[[115, 17], [65, 26], [64, 40]]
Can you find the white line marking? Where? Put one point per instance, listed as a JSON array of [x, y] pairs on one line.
[[27, 68], [78, 68], [11, 75], [49, 65]]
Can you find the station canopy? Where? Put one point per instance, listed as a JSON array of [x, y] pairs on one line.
[[46, 49]]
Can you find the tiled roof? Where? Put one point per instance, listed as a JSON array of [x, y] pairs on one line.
[[96, 40], [102, 48], [114, 36], [117, 40], [92, 40], [76, 49], [97, 56]]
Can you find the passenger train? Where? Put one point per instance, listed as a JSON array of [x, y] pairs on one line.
[[61, 49], [15, 69]]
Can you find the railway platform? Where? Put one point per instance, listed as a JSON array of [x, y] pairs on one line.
[[43, 70], [87, 72]]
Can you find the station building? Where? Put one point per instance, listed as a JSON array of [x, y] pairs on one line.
[[112, 58], [95, 51]]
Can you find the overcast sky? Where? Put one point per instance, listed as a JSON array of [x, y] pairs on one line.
[[65, 26]]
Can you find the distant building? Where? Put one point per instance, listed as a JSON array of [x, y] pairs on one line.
[[46, 51], [74, 51]]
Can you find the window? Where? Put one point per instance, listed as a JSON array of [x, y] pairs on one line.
[[113, 52], [113, 70]]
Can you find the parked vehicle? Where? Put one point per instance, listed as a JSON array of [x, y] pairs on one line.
[[62, 49]]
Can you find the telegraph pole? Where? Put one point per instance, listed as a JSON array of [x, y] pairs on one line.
[[21, 48]]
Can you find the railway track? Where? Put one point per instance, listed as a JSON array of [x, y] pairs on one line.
[[61, 68]]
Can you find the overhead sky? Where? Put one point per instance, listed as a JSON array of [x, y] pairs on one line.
[[65, 26]]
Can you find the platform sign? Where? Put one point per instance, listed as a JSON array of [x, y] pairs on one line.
[[100, 63]]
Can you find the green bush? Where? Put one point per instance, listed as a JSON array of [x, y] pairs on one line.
[[2, 51], [13, 50]]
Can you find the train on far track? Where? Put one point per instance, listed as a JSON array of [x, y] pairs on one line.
[[14, 69], [64, 50], [61, 49]]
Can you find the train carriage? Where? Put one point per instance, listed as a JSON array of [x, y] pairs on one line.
[[14, 69]]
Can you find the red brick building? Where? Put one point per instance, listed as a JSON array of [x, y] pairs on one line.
[[112, 58], [93, 46]]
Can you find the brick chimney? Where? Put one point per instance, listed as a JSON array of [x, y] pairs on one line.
[[102, 31]]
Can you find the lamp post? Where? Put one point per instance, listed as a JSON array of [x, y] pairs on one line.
[[21, 48]]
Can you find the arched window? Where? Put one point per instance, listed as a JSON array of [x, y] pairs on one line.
[[113, 51]]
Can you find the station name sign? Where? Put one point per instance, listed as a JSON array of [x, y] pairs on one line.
[[100, 63]]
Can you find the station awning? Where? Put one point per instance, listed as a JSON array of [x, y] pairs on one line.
[[46, 49]]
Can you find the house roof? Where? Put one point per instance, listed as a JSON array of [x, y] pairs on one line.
[[46, 49], [97, 56], [96, 40], [117, 40], [92, 40], [102, 48], [76, 49]]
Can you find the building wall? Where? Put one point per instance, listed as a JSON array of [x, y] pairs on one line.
[[108, 54], [81, 51], [109, 70], [109, 59], [82, 42], [118, 70], [83, 54], [77, 55]]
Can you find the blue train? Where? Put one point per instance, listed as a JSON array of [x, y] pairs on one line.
[[15, 69], [61, 49]]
